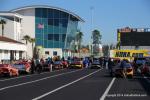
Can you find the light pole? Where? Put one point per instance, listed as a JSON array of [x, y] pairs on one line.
[[91, 8]]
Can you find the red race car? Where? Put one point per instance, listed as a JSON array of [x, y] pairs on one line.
[[22, 67], [7, 69]]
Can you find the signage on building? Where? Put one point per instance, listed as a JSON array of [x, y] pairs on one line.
[[127, 29], [129, 54]]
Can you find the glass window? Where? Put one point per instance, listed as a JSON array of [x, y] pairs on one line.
[[45, 43], [39, 36], [38, 12], [45, 29], [50, 13], [54, 53], [50, 22], [63, 37], [56, 37], [50, 44], [50, 29], [38, 42], [38, 20], [38, 30], [56, 14], [44, 21], [45, 36], [64, 15], [61, 45], [56, 44], [50, 36], [63, 30], [56, 22], [44, 12], [47, 52], [56, 29], [64, 22]]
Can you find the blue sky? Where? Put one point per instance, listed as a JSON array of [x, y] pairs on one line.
[[108, 15]]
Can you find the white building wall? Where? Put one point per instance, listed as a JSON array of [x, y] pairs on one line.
[[8, 29], [28, 26], [51, 50], [5, 48], [12, 46], [17, 55], [17, 31]]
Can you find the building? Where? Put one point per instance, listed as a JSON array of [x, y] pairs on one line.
[[12, 28], [53, 28], [11, 49], [133, 38]]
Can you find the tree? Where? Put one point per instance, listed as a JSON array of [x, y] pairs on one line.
[[105, 50], [118, 45], [32, 41], [26, 38], [79, 37], [2, 21], [96, 36]]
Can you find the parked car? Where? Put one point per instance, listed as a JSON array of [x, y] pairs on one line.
[[96, 64], [125, 68], [7, 69], [145, 70], [64, 63], [23, 67], [57, 65], [76, 63]]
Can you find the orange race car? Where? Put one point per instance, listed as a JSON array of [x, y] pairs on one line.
[[7, 69]]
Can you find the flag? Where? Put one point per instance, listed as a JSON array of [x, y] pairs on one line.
[[40, 26]]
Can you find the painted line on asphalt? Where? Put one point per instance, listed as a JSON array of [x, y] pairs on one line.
[[1, 89], [107, 90], [29, 75], [61, 87]]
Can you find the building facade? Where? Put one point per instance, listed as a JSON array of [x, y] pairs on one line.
[[53, 28], [11, 47]]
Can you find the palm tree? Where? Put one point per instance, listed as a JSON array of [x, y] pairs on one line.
[[32, 41], [118, 45], [96, 36], [26, 38], [2, 22], [79, 36]]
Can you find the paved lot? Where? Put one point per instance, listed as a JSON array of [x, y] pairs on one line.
[[74, 84]]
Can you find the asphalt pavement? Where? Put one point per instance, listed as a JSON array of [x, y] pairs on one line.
[[74, 84]]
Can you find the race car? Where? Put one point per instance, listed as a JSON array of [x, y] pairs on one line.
[[64, 63], [23, 67], [57, 65], [7, 69], [145, 70], [125, 71], [76, 63], [95, 64]]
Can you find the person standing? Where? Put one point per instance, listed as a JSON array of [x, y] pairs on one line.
[[110, 65], [32, 66]]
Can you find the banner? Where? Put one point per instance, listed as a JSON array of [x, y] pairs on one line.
[[129, 54]]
